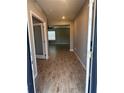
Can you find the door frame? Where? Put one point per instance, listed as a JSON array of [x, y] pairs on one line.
[[89, 52], [30, 80], [31, 38], [44, 29], [32, 44], [43, 40]]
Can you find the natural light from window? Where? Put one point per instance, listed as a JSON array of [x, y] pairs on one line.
[[51, 35]]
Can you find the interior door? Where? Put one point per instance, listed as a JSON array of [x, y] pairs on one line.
[[39, 40]]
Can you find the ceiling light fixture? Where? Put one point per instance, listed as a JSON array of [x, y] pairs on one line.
[[63, 17]]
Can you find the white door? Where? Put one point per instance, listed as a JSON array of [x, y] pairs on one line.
[[39, 40]]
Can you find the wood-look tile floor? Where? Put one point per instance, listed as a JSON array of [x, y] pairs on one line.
[[61, 73]]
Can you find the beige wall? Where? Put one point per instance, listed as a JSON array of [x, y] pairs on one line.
[[33, 6], [80, 33]]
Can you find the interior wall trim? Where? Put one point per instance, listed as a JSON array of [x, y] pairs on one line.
[[71, 50], [79, 59]]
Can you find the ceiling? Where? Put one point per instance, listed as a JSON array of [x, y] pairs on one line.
[[55, 9]]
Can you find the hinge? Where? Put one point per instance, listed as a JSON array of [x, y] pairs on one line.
[[90, 53]]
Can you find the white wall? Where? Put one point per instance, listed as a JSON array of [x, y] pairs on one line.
[[80, 33], [13, 46]]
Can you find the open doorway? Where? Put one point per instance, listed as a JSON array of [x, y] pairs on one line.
[[65, 71], [59, 36]]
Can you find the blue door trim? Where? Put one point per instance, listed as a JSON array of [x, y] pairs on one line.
[[29, 69]]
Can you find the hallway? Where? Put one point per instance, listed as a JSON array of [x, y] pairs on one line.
[[61, 73]]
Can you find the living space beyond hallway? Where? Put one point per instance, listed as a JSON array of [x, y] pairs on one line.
[[61, 73]]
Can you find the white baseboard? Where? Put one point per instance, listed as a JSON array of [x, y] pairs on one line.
[[40, 57], [71, 50], [47, 57], [79, 59]]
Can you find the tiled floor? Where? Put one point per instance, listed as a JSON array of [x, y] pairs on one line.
[[62, 73]]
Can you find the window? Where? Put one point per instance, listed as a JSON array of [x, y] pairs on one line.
[[51, 35]]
